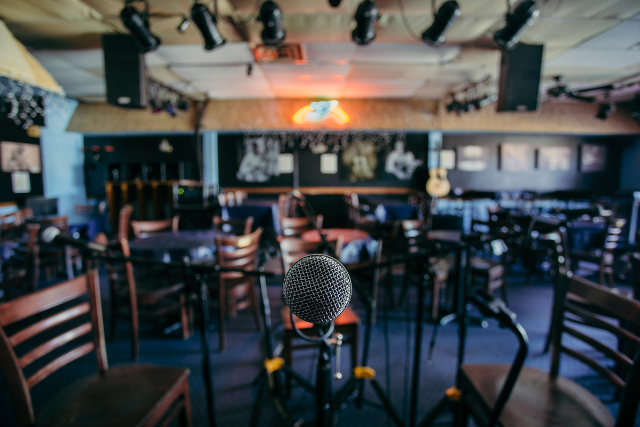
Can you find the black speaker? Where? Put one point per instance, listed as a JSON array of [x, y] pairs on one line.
[[520, 78], [124, 71]]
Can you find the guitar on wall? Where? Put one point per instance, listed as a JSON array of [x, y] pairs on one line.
[[437, 184]]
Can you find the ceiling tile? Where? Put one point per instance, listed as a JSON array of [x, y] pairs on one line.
[[389, 71], [75, 76], [578, 58], [84, 58], [620, 37], [415, 53], [195, 54], [341, 51], [392, 88], [289, 72], [229, 73], [86, 89]]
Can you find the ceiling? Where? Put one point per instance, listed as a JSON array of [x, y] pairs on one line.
[[588, 42]]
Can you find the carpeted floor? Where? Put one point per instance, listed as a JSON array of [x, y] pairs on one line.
[[390, 355]]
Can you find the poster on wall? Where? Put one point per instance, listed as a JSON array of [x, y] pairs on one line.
[[593, 158], [360, 161], [515, 157], [401, 163], [473, 158], [16, 156], [556, 159], [259, 160]]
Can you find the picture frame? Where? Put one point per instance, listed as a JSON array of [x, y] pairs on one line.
[[515, 157]]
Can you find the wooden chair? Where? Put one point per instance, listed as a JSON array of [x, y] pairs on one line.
[[124, 221], [236, 226], [414, 236], [294, 227], [346, 324], [489, 266], [150, 297], [145, 227], [544, 399], [287, 206], [355, 213], [12, 225], [135, 395], [20, 273], [603, 256], [237, 291], [53, 258]]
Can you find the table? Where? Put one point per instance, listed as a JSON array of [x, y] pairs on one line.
[[358, 245], [169, 246], [264, 213]]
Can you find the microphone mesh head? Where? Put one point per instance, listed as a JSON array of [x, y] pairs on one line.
[[317, 288], [49, 234]]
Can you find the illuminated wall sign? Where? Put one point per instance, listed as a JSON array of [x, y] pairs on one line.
[[319, 111]]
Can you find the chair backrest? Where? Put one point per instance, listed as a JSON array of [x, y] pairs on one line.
[[141, 227], [27, 213], [124, 221], [238, 252], [414, 232], [287, 205], [237, 226], [292, 227], [293, 249], [596, 299], [49, 308], [11, 220]]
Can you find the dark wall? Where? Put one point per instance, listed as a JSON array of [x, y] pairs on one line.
[[494, 179], [137, 157], [12, 133], [630, 165], [230, 153]]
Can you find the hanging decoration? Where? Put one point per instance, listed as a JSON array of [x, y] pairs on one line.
[[24, 104]]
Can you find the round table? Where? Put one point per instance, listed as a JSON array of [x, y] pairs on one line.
[[357, 246], [169, 246], [348, 235]]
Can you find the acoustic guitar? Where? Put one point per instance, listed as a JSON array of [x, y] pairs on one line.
[[437, 184]]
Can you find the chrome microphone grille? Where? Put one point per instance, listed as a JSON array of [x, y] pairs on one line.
[[317, 288]]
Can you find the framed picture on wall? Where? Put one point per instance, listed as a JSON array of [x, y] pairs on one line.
[[17, 156], [515, 157], [554, 159], [259, 161], [360, 161], [593, 157], [473, 158]]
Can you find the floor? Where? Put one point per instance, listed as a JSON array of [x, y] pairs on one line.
[[391, 352]]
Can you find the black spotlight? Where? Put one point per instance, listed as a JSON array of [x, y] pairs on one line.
[[446, 16], [271, 18], [139, 29], [521, 15], [366, 17], [605, 111], [334, 3], [202, 18]]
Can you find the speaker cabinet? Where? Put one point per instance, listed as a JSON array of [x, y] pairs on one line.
[[125, 71], [520, 78]]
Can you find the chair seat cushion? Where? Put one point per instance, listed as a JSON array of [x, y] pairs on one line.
[[125, 396], [536, 400]]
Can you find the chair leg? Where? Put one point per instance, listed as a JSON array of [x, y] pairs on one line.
[[288, 356], [256, 308], [113, 315], [504, 292], [184, 318], [461, 414], [223, 315], [405, 284], [435, 299], [354, 346], [185, 413], [135, 334]]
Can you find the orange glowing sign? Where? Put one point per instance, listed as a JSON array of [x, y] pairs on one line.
[[319, 111]]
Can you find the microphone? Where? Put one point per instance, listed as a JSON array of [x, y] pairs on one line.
[[317, 288], [52, 235]]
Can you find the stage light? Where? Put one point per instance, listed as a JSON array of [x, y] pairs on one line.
[[139, 29], [366, 17], [446, 16], [203, 20], [605, 111], [334, 3], [271, 18], [521, 15]]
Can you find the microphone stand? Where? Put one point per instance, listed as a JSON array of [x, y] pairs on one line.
[[194, 277]]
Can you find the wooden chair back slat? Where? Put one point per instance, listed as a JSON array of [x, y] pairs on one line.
[[54, 343], [602, 370], [59, 362], [292, 227], [625, 308], [245, 225], [140, 227], [49, 322], [590, 319], [608, 351], [293, 249], [238, 252], [36, 302], [124, 221]]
